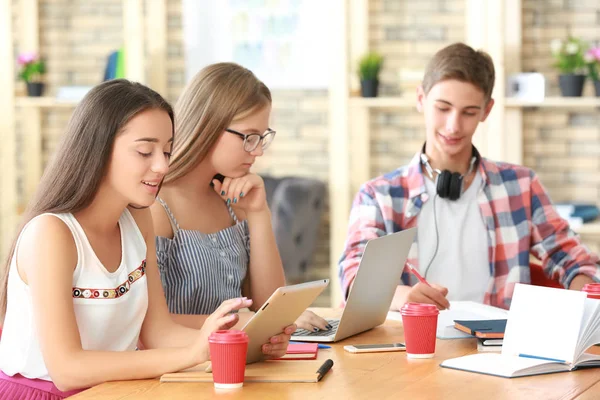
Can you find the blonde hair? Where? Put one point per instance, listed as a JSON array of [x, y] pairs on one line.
[[218, 94], [461, 62]]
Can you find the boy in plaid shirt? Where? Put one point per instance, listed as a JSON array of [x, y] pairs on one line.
[[478, 220]]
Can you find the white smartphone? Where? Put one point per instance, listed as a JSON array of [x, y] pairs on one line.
[[375, 348]]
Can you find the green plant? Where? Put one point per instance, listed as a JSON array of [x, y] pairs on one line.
[[369, 66], [569, 55], [32, 67]]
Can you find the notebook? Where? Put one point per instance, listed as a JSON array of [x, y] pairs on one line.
[[489, 345], [486, 329], [548, 330], [266, 371], [459, 310], [301, 351]]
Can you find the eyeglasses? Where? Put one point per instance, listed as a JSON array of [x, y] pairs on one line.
[[251, 141]]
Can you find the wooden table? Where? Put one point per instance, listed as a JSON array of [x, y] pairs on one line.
[[376, 376]]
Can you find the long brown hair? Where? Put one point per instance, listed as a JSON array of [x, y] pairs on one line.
[[218, 94], [72, 178]]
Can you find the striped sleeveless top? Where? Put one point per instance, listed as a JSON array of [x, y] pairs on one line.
[[199, 271]]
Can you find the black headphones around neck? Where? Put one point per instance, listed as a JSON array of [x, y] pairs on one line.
[[449, 184]]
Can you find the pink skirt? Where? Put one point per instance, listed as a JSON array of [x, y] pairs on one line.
[[19, 387]]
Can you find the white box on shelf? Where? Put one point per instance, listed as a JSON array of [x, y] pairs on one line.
[[72, 93], [526, 86]]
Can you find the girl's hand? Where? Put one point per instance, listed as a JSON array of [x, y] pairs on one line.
[[222, 318], [312, 322], [277, 346], [246, 193]]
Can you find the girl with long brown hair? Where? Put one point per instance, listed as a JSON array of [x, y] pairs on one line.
[[82, 285]]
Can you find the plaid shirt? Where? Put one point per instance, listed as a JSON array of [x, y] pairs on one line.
[[515, 208]]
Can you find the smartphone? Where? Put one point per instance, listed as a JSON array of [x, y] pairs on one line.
[[375, 348]]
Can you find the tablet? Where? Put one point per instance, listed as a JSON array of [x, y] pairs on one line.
[[282, 309]]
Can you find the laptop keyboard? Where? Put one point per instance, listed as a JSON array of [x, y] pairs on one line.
[[334, 325]]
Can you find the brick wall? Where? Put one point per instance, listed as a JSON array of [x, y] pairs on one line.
[[175, 63], [407, 33], [300, 149], [77, 36], [562, 146]]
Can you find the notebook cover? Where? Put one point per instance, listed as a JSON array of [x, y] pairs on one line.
[[301, 351], [298, 356], [111, 66], [120, 68], [488, 329], [266, 371]]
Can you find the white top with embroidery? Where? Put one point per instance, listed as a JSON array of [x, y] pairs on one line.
[[109, 306]]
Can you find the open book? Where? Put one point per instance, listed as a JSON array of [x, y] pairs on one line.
[[548, 330]]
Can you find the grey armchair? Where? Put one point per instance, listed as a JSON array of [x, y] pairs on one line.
[[296, 205]]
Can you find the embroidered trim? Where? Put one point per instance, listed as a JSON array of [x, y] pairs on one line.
[[121, 290]]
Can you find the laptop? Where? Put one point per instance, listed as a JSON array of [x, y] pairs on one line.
[[374, 286]]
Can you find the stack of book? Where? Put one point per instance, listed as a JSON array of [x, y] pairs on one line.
[[577, 214], [489, 333], [548, 330], [115, 65]]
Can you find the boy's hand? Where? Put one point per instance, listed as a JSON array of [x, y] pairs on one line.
[[421, 293]]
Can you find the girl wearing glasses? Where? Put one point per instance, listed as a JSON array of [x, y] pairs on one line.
[[214, 236]]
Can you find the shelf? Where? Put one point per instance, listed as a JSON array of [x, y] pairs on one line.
[[592, 228], [44, 102], [384, 102], [549, 102], [556, 102]]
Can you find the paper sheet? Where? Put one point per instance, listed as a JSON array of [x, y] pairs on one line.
[[544, 322]]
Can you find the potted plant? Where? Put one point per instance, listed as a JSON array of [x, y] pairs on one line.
[[569, 56], [592, 57], [32, 70], [368, 72]]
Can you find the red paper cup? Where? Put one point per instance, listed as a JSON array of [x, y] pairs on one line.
[[228, 356], [592, 290], [420, 325]]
